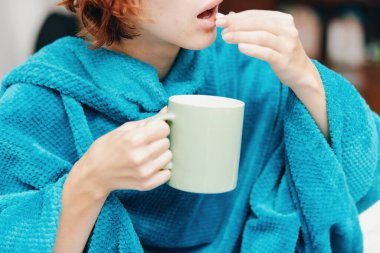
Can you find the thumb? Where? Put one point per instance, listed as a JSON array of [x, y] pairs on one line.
[[143, 122], [128, 126], [164, 110]]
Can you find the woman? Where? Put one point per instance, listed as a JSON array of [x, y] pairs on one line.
[[81, 171]]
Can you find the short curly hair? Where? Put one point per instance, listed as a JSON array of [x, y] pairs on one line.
[[106, 21]]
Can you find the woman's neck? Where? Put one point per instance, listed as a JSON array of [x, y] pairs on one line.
[[158, 54]]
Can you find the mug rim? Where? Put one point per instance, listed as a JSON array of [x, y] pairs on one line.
[[211, 102]]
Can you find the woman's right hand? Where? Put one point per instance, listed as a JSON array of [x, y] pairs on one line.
[[132, 156]]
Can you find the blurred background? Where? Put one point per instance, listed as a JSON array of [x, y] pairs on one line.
[[342, 34]]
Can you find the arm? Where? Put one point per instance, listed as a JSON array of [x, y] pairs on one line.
[[35, 199], [333, 183], [33, 167], [42, 206], [80, 209], [313, 97], [129, 157]]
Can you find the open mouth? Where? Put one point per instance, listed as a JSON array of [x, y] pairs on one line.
[[208, 13]]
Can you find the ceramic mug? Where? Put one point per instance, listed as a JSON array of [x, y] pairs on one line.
[[205, 140]]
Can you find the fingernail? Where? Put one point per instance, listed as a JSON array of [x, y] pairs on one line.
[[221, 22], [219, 15]]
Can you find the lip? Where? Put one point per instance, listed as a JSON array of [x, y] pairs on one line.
[[210, 22], [210, 5]]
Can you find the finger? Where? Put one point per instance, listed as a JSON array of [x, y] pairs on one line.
[[157, 148], [263, 53], [131, 125], [150, 168], [274, 16], [134, 124], [162, 111], [261, 38], [149, 133], [250, 21], [144, 121], [162, 161], [156, 180], [125, 128]]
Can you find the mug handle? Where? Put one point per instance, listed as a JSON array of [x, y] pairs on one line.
[[163, 116]]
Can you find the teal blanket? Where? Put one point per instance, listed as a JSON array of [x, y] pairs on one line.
[[295, 191]]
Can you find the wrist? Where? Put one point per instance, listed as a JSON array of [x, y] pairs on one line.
[[85, 183], [311, 81]]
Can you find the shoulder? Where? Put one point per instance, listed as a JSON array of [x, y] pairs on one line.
[[32, 110], [35, 117], [29, 99]]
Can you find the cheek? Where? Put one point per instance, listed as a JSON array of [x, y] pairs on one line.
[[177, 29]]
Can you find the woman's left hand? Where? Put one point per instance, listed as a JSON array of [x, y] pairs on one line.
[[271, 36]]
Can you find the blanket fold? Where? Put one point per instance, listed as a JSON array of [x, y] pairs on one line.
[[295, 192]]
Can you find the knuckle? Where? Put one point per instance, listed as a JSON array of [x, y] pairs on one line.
[[234, 36], [127, 127], [170, 154], [142, 173], [135, 140], [168, 175], [294, 33], [290, 47], [263, 37], [165, 127], [289, 18], [166, 142], [136, 159]]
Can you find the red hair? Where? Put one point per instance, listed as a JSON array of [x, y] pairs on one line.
[[107, 21]]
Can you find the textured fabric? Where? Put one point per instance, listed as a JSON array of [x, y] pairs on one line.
[[295, 192]]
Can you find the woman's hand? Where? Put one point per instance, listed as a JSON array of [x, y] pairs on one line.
[[129, 157], [271, 36], [132, 156]]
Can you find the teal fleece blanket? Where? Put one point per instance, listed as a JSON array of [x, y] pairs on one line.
[[295, 191]]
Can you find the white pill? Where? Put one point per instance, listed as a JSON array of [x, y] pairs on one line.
[[219, 15]]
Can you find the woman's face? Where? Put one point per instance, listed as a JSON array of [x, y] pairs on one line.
[[188, 24]]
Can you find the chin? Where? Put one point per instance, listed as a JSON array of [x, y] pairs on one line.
[[200, 41]]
